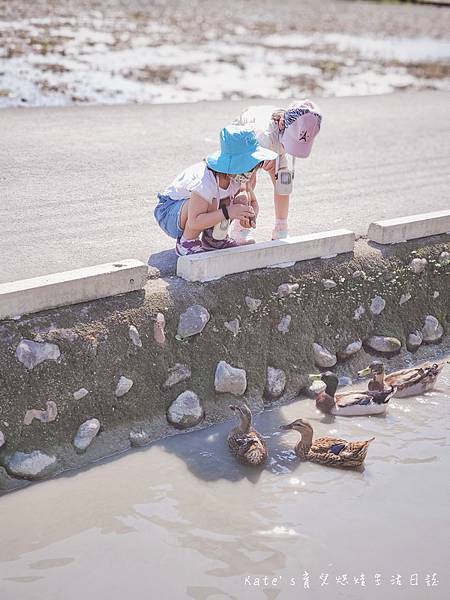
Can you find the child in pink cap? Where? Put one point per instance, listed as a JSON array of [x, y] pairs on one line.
[[285, 131]]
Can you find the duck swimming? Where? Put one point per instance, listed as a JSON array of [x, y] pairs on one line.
[[350, 404], [334, 452], [409, 382], [244, 441]]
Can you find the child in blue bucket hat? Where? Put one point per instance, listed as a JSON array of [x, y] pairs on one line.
[[207, 196]]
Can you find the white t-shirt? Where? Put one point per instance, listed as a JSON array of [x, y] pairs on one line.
[[259, 118], [199, 179]]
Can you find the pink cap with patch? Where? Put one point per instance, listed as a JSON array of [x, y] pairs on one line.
[[302, 124]]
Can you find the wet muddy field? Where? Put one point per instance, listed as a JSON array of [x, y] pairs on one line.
[[59, 53]]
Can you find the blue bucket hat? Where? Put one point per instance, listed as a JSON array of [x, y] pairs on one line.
[[239, 151]]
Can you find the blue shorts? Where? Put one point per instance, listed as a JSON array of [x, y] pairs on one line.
[[168, 215]]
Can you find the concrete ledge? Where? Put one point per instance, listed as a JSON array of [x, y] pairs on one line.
[[71, 287], [213, 265], [393, 231]]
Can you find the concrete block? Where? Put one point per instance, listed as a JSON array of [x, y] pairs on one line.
[[213, 265], [392, 231], [71, 287]]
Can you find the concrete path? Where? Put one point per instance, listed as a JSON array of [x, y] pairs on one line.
[[78, 185]]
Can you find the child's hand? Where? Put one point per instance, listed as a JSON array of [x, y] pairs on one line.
[[240, 211]]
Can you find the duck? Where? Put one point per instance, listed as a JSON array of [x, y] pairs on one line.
[[409, 382], [334, 452], [350, 404], [244, 441]]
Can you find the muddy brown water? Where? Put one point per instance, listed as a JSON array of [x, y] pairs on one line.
[[181, 519]]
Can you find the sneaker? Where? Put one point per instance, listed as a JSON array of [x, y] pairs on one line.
[[185, 247], [209, 243], [280, 234], [241, 235]]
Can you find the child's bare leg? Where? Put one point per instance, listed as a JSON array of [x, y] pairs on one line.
[[188, 232], [281, 202]]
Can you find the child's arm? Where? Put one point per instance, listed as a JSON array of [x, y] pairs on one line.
[[200, 219]]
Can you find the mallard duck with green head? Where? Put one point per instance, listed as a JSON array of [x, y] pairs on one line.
[[334, 452], [409, 382], [244, 441], [349, 404]]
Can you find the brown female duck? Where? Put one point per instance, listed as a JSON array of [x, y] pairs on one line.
[[334, 452], [409, 382], [350, 404], [244, 441]]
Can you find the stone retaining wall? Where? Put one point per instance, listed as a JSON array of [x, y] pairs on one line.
[[83, 382]]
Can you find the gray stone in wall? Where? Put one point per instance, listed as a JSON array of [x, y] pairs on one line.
[[252, 303], [176, 374], [377, 305], [444, 257], [2, 439], [328, 284], [230, 379], [351, 349], [284, 324], [323, 357], [31, 353], [79, 394], [405, 298], [134, 336], [139, 437], [286, 289], [193, 321], [432, 330], [85, 434], [276, 382], [45, 416], [384, 344], [418, 265], [159, 333], [414, 340], [232, 326], [31, 465], [124, 385], [186, 411]]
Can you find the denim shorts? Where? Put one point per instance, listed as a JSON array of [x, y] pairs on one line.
[[168, 215]]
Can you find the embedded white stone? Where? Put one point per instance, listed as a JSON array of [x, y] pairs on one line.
[[328, 284], [358, 274], [32, 353], [284, 324], [45, 416], [444, 257], [31, 465], [359, 312], [377, 305], [124, 385], [384, 344], [2, 439], [405, 298], [323, 357], [414, 340], [139, 438], [79, 394], [436, 294], [230, 379], [276, 382], [177, 373], [159, 333], [418, 265], [351, 349], [432, 330], [252, 303], [233, 326], [186, 411], [285, 289], [193, 321], [134, 336], [85, 434]]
